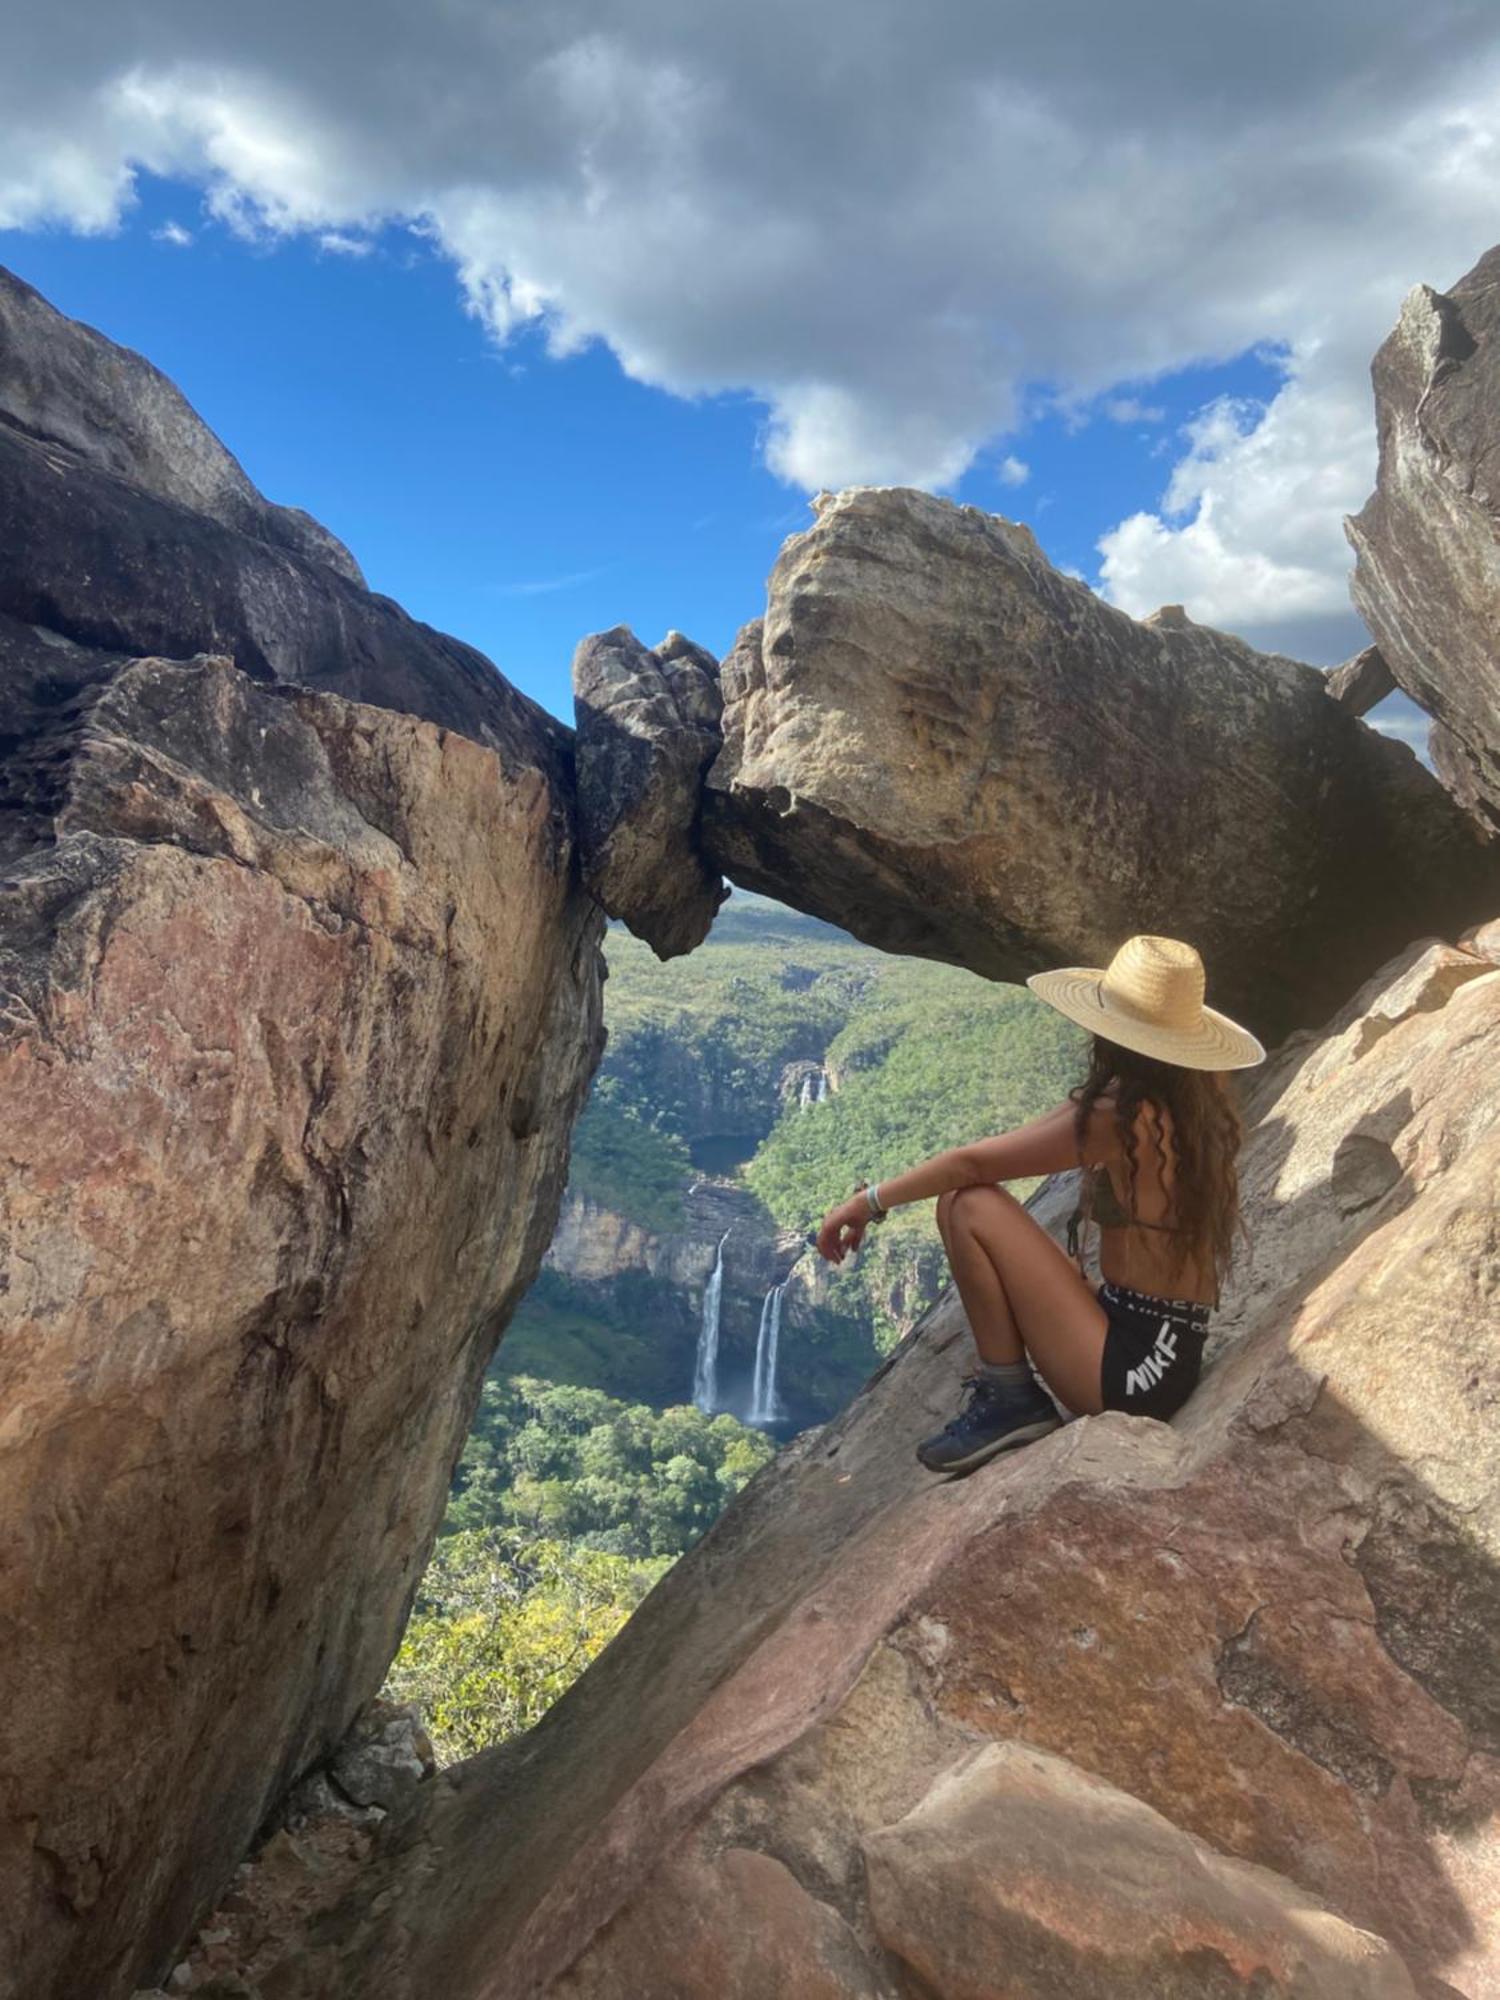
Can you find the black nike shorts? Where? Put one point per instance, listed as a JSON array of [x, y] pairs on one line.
[[1153, 1351]]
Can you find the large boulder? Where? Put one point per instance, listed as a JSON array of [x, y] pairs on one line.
[[1019, 1877], [939, 741], [299, 997], [1427, 543], [299, 1004], [1270, 1623], [648, 728]]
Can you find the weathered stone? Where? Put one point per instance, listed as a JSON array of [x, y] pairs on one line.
[[942, 743], [298, 1000], [1271, 1621], [384, 1756], [62, 383], [1020, 1877], [739, 1927], [1427, 543], [124, 559], [648, 728], [1359, 684]]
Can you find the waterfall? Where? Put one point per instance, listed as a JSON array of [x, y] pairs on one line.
[[706, 1367], [764, 1408], [814, 1089]]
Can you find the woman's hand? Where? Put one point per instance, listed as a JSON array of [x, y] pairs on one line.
[[843, 1229]]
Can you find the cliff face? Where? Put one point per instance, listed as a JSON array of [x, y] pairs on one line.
[[1427, 578], [300, 998]]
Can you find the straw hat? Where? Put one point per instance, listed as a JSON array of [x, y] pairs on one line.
[[1150, 999]]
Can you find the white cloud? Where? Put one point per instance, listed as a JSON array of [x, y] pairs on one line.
[[173, 233], [1131, 410], [1013, 471], [890, 225], [1249, 533], [338, 243]]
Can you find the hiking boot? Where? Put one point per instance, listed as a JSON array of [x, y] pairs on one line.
[[994, 1419]]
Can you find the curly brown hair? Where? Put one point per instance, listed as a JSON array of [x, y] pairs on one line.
[[1197, 1141]]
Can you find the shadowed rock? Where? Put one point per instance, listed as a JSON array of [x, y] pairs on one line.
[[1427, 542], [62, 383], [1361, 683], [126, 527], [648, 728], [942, 743]]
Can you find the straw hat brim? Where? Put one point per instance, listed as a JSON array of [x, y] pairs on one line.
[[1212, 1042]]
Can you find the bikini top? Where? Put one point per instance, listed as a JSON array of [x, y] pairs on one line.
[[1098, 1203]]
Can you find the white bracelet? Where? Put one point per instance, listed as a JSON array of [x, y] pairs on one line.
[[872, 1199]]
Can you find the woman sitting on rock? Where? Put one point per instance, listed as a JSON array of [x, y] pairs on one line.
[[1156, 1132]]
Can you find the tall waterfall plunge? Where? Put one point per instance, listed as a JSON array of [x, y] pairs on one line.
[[706, 1367], [764, 1407]]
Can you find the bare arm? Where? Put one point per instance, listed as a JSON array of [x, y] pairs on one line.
[[1046, 1146]]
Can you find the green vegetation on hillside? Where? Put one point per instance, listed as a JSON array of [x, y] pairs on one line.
[[622, 1162], [929, 1058], [567, 1463], [502, 1626], [954, 1058]]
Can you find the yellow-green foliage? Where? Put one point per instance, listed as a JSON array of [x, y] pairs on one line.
[[503, 1627], [551, 1460]]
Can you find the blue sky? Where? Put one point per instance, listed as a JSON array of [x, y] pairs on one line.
[[558, 316]]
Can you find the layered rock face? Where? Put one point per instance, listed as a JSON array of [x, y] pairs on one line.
[[939, 741], [300, 998], [1427, 574], [1232, 1679]]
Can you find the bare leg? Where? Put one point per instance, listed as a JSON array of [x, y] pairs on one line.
[[1022, 1294]]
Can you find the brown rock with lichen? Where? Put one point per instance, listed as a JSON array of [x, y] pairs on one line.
[[1427, 569], [300, 1001]]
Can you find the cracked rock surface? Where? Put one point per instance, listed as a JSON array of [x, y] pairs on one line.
[[648, 728], [1427, 542]]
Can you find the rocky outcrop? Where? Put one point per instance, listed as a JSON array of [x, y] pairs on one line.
[[299, 997], [61, 383], [648, 728], [945, 745], [1427, 543], [1270, 1623], [1019, 1877], [1363, 682], [174, 560]]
